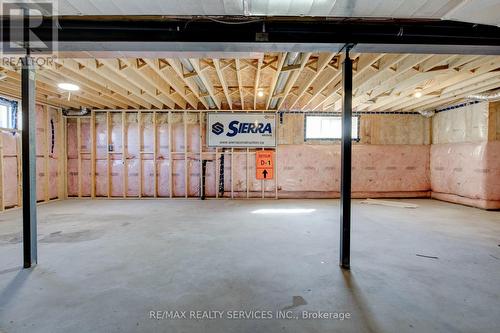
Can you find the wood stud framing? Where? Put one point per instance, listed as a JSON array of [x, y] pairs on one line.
[[187, 155], [46, 155]]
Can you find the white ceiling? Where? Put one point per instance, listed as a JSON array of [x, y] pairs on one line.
[[475, 11]]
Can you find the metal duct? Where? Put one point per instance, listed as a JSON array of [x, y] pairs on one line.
[[489, 96], [210, 101], [199, 83], [292, 58], [75, 112], [427, 113]]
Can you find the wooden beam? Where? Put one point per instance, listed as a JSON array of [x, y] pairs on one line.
[[281, 62], [52, 78], [94, 88], [330, 76], [386, 80], [466, 72], [137, 83], [222, 80], [459, 92], [158, 84], [323, 60], [257, 82], [206, 82], [113, 81], [364, 63], [177, 67], [112, 73], [238, 78], [167, 73], [102, 83], [293, 78]]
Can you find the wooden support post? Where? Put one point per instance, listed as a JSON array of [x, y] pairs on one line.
[[170, 159], [61, 156], [232, 173], [78, 151], [248, 174], [64, 157], [275, 164], [141, 143], [124, 155], [232, 158], [262, 185], [155, 152], [217, 175], [46, 153], [200, 167], [248, 150], [2, 190], [93, 149], [186, 178], [108, 133]]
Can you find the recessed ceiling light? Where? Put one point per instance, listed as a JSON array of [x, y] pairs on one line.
[[418, 93], [260, 93], [68, 86]]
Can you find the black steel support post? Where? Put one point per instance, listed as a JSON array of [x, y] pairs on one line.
[[346, 161], [29, 163]]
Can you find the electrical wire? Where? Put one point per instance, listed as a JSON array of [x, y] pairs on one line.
[[235, 22]]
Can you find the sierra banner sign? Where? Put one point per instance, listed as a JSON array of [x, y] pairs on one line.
[[241, 129]]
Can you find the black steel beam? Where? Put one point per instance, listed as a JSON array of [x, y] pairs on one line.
[[29, 163], [346, 162], [268, 30]]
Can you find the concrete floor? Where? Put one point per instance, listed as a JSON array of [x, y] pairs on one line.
[[104, 265]]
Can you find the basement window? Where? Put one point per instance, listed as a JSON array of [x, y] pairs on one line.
[[8, 114], [328, 127]]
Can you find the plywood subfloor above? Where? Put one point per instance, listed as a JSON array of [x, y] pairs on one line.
[[265, 81]]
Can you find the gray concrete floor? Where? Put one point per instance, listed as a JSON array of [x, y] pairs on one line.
[[104, 265]]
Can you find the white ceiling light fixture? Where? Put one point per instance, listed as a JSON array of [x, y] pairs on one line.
[[260, 93], [418, 93], [68, 86]]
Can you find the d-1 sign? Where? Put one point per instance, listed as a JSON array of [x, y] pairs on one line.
[[264, 164]]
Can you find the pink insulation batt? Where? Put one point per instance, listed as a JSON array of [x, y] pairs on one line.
[[467, 173], [48, 175], [72, 155], [10, 177], [378, 170]]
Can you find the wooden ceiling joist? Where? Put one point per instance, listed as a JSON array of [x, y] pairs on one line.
[[381, 82], [240, 85], [223, 83]]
